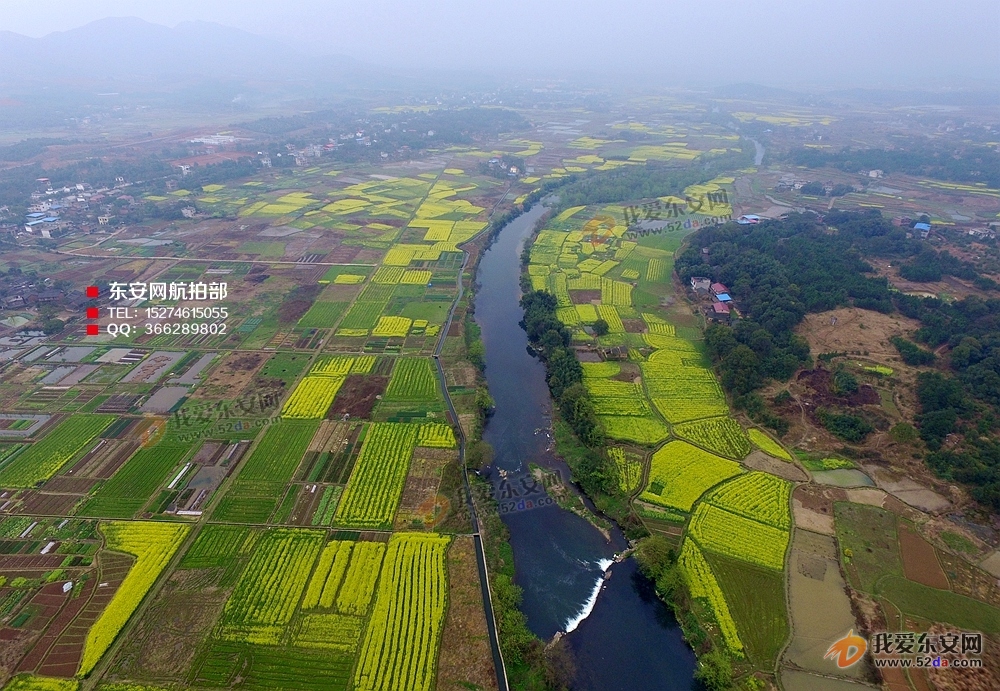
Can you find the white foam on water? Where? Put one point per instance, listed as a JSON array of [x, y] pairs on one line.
[[588, 606]]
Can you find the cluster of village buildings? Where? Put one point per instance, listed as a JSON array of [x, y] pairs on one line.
[[721, 305]]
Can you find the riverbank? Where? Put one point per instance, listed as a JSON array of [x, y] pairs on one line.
[[555, 561]]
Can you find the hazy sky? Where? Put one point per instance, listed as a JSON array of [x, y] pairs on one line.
[[903, 42]]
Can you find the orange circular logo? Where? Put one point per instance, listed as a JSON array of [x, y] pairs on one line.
[[848, 651]]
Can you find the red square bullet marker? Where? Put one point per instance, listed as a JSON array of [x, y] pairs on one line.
[[92, 291], [93, 329], [92, 313]]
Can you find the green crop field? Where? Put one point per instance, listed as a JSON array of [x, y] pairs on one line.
[[756, 598], [322, 315], [218, 545], [224, 664], [363, 315], [131, 487], [285, 366], [869, 532], [413, 379], [268, 593], [261, 482], [940, 605], [45, 458]]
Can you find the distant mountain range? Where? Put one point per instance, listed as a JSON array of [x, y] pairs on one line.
[[127, 47]]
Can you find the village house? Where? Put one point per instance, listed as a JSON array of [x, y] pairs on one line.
[[700, 284], [718, 288], [718, 312]]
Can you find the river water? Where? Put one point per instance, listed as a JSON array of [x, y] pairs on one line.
[[623, 637]]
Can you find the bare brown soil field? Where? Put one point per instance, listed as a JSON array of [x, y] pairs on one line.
[[231, 376], [850, 329], [821, 380], [52, 618], [420, 503], [758, 460], [460, 374], [920, 563], [357, 396], [103, 464], [62, 657], [42, 504], [306, 504], [70, 485], [24, 562], [465, 661], [14, 643], [584, 297]]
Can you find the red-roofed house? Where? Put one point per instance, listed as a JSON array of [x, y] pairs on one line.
[[718, 288], [718, 312]]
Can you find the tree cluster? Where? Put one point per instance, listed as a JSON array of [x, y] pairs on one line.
[[646, 181], [562, 370], [970, 163]]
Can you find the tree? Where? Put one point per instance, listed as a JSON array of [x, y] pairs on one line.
[[741, 370], [53, 326], [715, 671], [844, 382], [600, 327], [655, 555]]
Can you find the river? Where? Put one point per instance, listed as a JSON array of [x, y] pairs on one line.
[[622, 636]]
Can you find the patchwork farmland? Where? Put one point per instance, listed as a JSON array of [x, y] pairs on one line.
[[282, 504], [302, 476]]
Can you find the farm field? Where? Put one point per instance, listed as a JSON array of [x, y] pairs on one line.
[[260, 484], [288, 453], [128, 490], [279, 472], [373, 491], [45, 458], [680, 473], [651, 384], [294, 518], [153, 545]]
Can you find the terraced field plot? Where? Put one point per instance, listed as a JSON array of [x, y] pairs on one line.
[[680, 473]]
